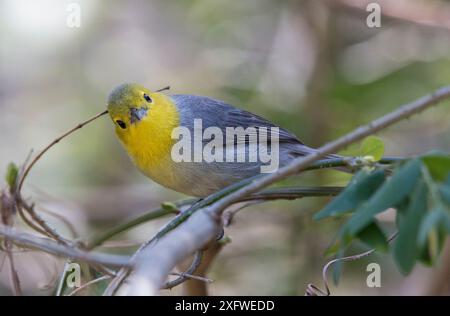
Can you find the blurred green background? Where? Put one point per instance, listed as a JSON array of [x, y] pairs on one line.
[[313, 67]]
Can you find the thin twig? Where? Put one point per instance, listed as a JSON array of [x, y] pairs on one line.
[[115, 244], [50, 246], [184, 276], [210, 253], [63, 219], [312, 290], [163, 89], [102, 278], [193, 277], [158, 213], [47, 228], [39, 224], [228, 216], [3, 259], [7, 211], [32, 225], [291, 193], [21, 203], [54, 142], [15, 281]]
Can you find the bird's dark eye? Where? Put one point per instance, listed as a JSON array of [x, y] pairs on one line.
[[147, 98], [121, 124]]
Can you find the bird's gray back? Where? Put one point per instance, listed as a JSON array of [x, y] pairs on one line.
[[216, 113]]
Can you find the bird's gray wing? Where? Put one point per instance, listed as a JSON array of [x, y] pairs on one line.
[[220, 114]]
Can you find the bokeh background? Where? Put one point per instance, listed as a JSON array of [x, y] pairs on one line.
[[313, 67]]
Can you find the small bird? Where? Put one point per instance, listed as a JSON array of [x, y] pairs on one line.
[[144, 123]]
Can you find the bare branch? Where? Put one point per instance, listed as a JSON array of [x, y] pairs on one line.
[[312, 290], [15, 281], [85, 285], [40, 225], [288, 193], [48, 245], [49, 231], [193, 277], [54, 142], [184, 276]]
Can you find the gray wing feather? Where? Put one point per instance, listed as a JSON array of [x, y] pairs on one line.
[[214, 176], [218, 113]]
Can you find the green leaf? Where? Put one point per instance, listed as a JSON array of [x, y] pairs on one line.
[[400, 212], [447, 181], [433, 232], [405, 249], [374, 237], [444, 190], [339, 244], [446, 222], [392, 192], [12, 172], [360, 188], [427, 256], [431, 224], [333, 248], [438, 165], [169, 206], [337, 268], [372, 146]]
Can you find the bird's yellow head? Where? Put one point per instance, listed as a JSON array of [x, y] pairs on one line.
[[144, 121], [128, 105]]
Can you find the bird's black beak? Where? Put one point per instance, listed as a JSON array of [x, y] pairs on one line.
[[137, 114]]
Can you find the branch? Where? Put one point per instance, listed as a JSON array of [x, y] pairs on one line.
[[48, 245], [197, 286], [156, 262], [39, 224], [184, 275], [102, 278], [312, 290], [43, 226], [346, 161], [15, 281], [54, 142], [286, 193], [193, 277], [160, 212], [302, 192]]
